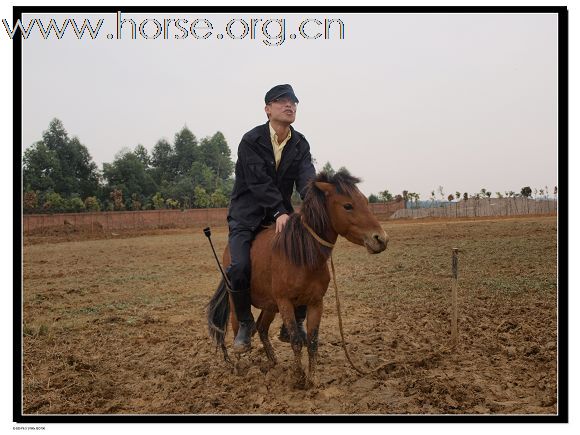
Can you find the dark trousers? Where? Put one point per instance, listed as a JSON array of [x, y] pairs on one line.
[[240, 241], [239, 271]]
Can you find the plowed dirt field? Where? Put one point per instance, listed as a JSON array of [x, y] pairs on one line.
[[118, 325]]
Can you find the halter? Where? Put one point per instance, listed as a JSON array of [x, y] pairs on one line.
[[316, 236]]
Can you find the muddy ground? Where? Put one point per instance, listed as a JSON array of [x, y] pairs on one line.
[[117, 325]]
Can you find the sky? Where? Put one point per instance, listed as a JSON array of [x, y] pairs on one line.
[[404, 101]]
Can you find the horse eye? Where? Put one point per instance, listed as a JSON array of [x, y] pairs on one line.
[[347, 207]]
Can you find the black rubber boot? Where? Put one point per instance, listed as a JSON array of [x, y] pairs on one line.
[[300, 314], [243, 305]]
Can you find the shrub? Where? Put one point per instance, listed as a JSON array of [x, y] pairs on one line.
[[53, 202], [135, 202], [92, 204], [172, 203], [158, 202], [75, 204], [117, 197], [30, 201]]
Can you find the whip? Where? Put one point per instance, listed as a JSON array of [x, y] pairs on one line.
[[207, 232]]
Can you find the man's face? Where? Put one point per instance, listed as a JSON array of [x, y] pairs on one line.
[[282, 110]]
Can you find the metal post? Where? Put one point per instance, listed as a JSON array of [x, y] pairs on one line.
[[454, 266]]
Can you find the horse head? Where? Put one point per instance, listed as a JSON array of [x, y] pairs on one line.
[[348, 211]]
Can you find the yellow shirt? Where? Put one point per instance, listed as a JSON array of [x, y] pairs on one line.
[[278, 147]]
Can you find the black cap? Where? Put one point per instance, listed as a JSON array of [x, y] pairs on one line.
[[280, 91]]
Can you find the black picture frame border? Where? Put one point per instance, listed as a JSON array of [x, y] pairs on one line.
[[563, 392]]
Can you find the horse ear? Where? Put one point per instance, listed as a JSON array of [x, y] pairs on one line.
[[327, 188]]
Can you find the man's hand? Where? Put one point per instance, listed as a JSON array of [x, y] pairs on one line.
[[281, 221]]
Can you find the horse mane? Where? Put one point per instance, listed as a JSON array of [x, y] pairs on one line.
[[294, 241]]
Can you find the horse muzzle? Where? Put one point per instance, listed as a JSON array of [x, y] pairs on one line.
[[376, 242]]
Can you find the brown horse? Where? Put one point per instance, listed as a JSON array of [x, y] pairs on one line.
[[290, 268]]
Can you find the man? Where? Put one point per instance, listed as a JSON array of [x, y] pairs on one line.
[[271, 159]]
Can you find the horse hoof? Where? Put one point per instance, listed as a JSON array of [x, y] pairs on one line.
[[266, 366], [301, 382], [239, 349], [311, 383]]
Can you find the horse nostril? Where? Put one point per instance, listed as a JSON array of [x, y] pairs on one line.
[[382, 239]]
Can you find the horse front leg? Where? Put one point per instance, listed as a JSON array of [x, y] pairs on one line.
[[313, 317], [263, 326], [286, 309]]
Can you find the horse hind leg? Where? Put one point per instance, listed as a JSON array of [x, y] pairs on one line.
[[263, 326], [286, 309], [233, 318]]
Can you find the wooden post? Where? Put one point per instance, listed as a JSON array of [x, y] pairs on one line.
[[454, 264]]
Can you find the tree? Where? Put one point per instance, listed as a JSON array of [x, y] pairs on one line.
[[186, 151], [373, 198], [413, 197], [202, 175], [385, 196], [143, 155], [450, 197], [328, 169], [201, 197], [441, 194], [465, 196], [216, 155], [60, 164], [75, 172], [127, 173], [526, 192], [218, 199], [39, 164], [163, 162]]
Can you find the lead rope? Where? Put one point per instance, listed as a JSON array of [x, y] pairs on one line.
[[331, 245], [362, 372]]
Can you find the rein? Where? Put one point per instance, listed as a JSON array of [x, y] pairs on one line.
[[331, 245]]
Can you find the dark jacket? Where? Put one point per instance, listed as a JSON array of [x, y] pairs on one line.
[[260, 192]]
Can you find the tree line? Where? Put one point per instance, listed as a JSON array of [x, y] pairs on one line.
[[59, 174], [412, 199]]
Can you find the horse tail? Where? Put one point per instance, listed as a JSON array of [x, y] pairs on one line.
[[218, 312]]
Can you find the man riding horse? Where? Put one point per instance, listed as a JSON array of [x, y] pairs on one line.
[[272, 158]]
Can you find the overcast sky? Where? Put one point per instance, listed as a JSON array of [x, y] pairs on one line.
[[404, 101]]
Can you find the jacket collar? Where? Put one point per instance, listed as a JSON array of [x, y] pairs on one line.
[[289, 149]]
